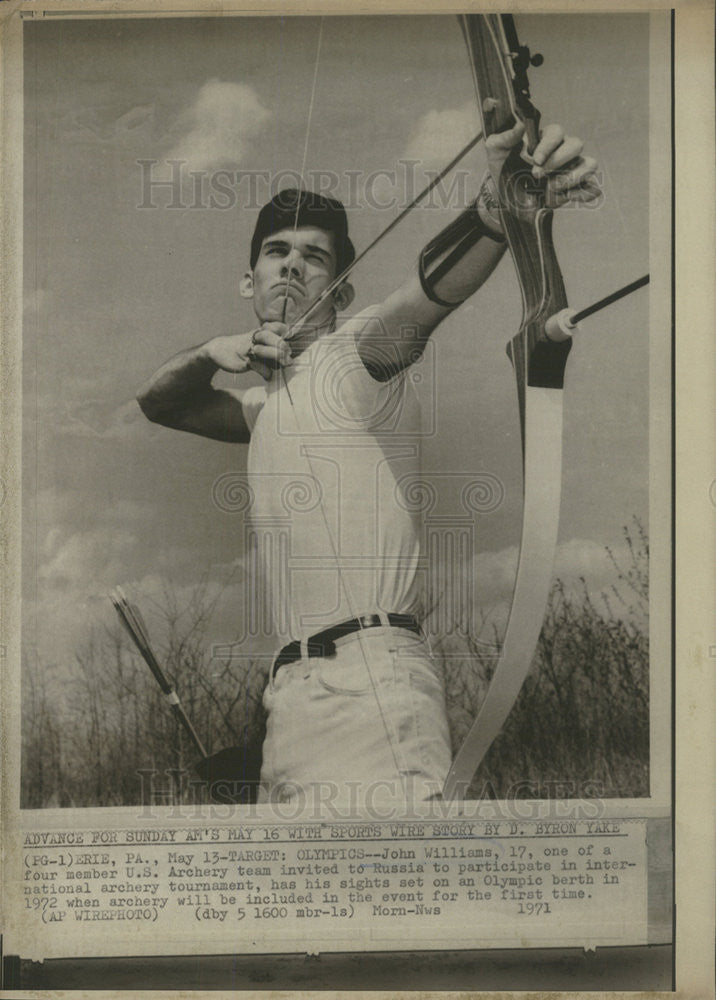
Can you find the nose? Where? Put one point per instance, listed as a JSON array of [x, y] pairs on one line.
[[292, 265]]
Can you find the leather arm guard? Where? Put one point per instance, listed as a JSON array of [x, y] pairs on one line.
[[444, 251]]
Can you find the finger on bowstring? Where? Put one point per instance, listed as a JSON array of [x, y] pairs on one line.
[[273, 354], [274, 326], [294, 328], [270, 338], [260, 367]]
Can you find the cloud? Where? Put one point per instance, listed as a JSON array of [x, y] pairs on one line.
[[478, 592], [581, 557], [78, 560], [81, 553], [72, 602], [61, 507], [219, 124], [435, 139], [86, 561], [439, 135], [574, 559], [87, 406], [107, 122], [94, 418]]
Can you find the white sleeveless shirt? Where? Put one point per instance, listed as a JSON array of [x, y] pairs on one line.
[[333, 468]]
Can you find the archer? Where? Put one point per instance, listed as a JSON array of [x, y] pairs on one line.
[[354, 699]]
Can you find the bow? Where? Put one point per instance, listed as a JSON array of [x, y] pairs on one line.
[[499, 68]]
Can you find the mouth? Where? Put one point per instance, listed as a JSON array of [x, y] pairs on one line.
[[290, 291]]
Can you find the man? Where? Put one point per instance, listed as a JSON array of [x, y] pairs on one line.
[[356, 706]]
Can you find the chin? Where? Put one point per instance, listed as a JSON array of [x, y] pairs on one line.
[[273, 313]]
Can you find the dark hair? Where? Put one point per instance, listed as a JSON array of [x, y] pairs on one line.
[[292, 207]]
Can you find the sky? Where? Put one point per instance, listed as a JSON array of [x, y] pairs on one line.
[[117, 280]]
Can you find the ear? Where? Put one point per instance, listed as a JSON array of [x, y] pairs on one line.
[[246, 286], [343, 296]]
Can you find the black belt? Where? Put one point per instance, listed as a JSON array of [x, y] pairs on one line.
[[324, 643]]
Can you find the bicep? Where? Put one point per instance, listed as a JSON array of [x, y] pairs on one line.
[[398, 329]]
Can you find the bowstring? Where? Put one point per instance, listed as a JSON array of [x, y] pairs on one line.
[[329, 533], [302, 174]]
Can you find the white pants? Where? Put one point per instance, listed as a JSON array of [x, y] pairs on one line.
[[342, 735]]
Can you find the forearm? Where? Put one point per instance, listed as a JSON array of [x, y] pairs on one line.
[[470, 272], [460, 258]]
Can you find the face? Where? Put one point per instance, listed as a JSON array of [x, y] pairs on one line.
[[292, 268]]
